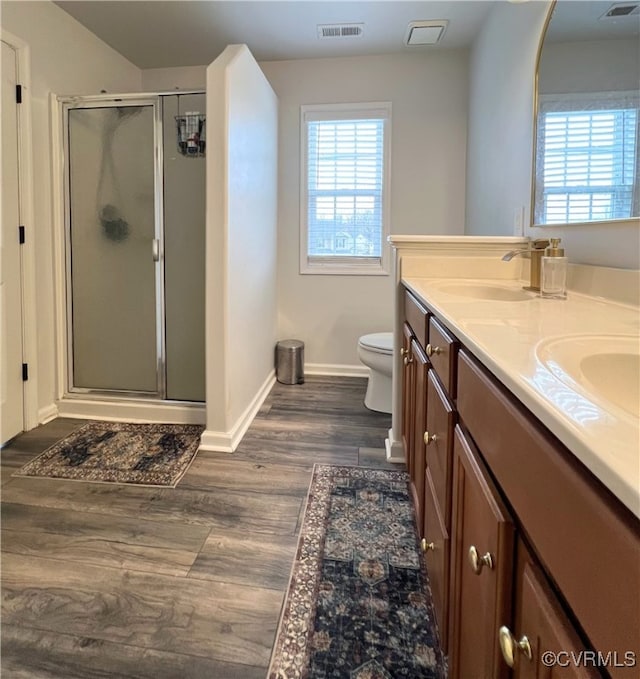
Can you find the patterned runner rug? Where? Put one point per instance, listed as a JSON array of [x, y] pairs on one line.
[[120, 452], [358, 604]]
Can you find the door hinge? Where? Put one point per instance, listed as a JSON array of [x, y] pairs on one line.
[[18, 94], [25, 372], [21, 236]]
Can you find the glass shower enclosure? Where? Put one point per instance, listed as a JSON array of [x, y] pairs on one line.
[[135, 228]]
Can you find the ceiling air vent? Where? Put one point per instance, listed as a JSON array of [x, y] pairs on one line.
[[339, 30], [622, 9], [425, 32]]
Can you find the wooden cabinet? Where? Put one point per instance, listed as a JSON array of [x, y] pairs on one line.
[[417, 318], [441, 419], [418, 461], [543, 643], [481, 567], [442, 350], [427, 431], [408, 408], [588, 543], [518, 535], [436, 549]]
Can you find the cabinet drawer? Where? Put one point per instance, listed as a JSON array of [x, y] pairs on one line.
[[442, 350], [481, 526], [588, 542], [441, 419], [417, 317], [436, 543]]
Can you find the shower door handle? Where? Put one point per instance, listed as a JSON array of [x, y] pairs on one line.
[[155, 249]]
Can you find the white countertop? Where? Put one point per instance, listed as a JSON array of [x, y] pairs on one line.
[[504, 336]]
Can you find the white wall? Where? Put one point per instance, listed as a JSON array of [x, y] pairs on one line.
[[178, 78], [500, 136], [500, 146], [429, 99], [55, 41], [589, 66], [242, 162]]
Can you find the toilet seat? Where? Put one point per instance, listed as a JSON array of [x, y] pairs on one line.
[[378, 342]]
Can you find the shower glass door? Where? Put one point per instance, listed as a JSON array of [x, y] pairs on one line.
[[113, 248]]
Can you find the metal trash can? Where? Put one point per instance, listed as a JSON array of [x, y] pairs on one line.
[[290, 361]]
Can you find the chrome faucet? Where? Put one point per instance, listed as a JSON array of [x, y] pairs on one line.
[[535, 252]]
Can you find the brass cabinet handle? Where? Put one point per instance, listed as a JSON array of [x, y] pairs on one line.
[[479, 562], [433, 351], [426, 546], [429, 438], [403, 351], [510, 646], [408, 360]]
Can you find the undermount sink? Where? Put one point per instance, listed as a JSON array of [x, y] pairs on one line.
[[604, 367], [485, 291]]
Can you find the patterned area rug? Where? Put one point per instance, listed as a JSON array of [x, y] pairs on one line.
[[358, 605], [120, 452]]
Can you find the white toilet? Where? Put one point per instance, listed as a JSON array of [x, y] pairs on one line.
[[376, 352]]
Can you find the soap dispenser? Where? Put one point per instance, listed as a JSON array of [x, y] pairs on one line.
[[553, 278]]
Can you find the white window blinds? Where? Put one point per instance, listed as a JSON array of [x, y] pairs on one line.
[[345, 186], [588, 162]]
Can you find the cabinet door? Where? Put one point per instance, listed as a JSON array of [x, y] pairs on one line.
[[542, 632], [481, 570], [407, 395], [435, 545], [439, 441], [418, 463]]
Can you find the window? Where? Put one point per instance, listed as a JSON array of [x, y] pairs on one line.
[[587, 162], [344, 192]]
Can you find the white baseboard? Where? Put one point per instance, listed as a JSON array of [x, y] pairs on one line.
[[131, 411], [217, 441], [227, 441], [47, 413], [336, 369], [395, 450]]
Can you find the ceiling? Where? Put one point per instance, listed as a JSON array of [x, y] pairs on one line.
[[586, 20], [162, 34]]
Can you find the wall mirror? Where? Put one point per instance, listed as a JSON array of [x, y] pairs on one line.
[[586, 164]]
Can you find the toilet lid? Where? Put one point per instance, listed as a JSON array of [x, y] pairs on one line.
[[382, 342]]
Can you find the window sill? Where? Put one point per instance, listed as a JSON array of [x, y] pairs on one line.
[[344, 270]]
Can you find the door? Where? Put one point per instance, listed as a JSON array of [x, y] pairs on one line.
[[113, 249], [11, 385], [418, 451], [544, 644], [184, 260], [435, 545], [481, 568], [408, 405]]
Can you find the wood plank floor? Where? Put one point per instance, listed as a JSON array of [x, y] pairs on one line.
[[103, 580]]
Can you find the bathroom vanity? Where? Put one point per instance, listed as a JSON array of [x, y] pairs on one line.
[[524, 458]]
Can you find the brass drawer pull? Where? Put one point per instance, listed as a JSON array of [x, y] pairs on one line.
[[433, 351], [509, 646], [408, 360], [427, 546], [479, 562], [429, 438], [403, 351]]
